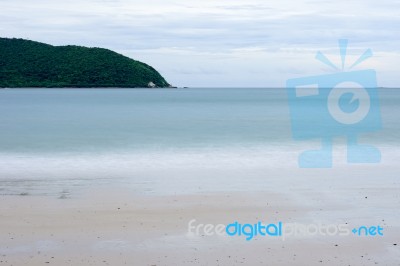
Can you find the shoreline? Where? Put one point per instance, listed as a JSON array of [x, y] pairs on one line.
[[115, 226]]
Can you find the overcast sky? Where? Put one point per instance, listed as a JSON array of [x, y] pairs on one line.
[[222, 42]]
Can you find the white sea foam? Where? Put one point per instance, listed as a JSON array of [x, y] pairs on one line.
[[188, 171]]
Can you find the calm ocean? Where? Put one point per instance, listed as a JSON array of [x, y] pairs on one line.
[[55, 139]]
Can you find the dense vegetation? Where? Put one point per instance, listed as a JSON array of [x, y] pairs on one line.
[[26, 63]]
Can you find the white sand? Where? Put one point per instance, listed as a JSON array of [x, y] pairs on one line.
[[117, 227]]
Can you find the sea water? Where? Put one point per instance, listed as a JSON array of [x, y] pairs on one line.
[[168, 140]]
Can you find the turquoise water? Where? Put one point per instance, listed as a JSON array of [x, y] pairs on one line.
[[88, 120], [85, 134]]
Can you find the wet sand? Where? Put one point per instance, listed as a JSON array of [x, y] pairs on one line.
[[118, 227]]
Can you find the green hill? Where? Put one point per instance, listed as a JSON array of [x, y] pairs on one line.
[[26, 63]]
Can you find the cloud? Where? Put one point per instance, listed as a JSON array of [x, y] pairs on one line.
[[206, 43]]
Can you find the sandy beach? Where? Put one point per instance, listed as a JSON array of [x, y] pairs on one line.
[[139, 177], [117, 227]]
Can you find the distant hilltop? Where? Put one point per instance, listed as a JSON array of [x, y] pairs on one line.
[[25, 63]]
